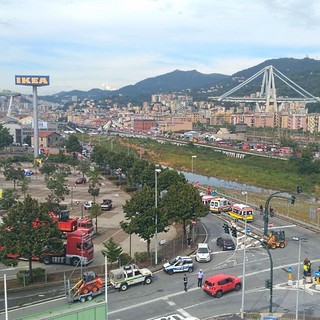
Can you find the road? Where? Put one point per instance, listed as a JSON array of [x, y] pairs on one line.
[[165, 295]]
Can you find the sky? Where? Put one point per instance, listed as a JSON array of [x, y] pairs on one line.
[[109, 44]]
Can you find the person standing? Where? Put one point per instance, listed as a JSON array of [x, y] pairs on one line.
[[200, 277], [185, 282], [261, 209]]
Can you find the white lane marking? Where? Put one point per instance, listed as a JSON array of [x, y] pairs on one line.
[[171, 303], [153, 300], [184, 313]]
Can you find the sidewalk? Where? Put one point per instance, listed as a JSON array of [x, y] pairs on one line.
[[109, 222]]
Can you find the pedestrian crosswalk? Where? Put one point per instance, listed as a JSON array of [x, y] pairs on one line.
[[252, 240]]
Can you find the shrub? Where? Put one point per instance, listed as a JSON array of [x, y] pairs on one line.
[[130, 189], [24, 278], [141, 257], [124, 259]]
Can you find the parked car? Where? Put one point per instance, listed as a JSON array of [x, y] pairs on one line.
[[81, 180], [226, 243], [203, 253], [28, 172], [178, 264], [106, 205], [219, 284], [88, 205]]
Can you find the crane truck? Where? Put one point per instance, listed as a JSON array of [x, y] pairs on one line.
[[68, 224]]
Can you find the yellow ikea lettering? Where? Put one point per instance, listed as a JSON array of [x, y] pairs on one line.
[[25, 80], [43, 81]]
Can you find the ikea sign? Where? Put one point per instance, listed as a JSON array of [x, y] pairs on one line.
[[37, 81]]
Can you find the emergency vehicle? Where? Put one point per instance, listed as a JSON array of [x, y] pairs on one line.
[[206, 199], [218, 205], [178, 264], [129, 275], [241, 212]]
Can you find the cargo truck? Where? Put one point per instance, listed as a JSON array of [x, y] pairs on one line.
[[78, 249]]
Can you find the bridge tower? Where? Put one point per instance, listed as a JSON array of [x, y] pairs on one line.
[[268, 91]]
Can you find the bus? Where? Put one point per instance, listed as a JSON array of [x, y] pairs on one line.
[[218, 205], [241, 212]]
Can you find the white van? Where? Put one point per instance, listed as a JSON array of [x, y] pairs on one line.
[[203, 253]]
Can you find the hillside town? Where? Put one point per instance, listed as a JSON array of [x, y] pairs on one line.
[[164, 113]]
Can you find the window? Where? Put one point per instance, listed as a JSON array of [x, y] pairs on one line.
[[137, 273]]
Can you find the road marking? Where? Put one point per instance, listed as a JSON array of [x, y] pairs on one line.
[[171, 303], [282, 227], [184, 313], [153, 300]]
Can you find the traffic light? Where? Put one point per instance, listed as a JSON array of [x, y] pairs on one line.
[[234, 231], [268, 284], [226, 228], [293, 199], [299, 189]]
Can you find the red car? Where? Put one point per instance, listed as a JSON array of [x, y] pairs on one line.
[[81, 180], [219, 284]]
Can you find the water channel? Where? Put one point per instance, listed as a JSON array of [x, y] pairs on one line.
[[221, 183]]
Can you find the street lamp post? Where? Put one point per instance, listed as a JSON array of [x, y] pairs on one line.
[[156, 216], [298, 275], [71, 194], [244, 260], [192, 157]]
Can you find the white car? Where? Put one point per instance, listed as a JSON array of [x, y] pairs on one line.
[[88, 205], [203, 253]]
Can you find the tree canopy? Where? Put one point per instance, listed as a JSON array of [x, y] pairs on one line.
[[6, 138], [140, 215], [28, 231], [73, 144]]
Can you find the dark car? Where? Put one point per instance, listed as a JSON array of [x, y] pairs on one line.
[[226, 243], [81, 180], [106, 205]]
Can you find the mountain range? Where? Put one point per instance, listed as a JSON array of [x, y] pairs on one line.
[[305, 72]]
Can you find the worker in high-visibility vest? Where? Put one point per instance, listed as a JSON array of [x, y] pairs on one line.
[[305, 270]]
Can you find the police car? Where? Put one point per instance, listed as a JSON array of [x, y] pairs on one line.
[[178, 264]]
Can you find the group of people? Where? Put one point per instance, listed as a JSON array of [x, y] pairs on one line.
[[199, 277], [270, 210]]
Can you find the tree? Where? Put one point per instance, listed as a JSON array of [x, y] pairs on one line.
[[95, 212], [140, 215], [168, 177], [84, 166], [28, 231], [111, 250], [48, 168], [57, 184], [27, 140], [6, 138], [73, 144], [183, 203], [9, 199], [94, 182], [25, 185], [13, 174]]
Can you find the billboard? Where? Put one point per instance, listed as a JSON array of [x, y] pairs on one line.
[[37, 81]]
